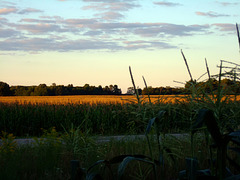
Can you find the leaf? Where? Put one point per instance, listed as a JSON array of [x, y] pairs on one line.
[[204, 172], [206, 116], [169, 153], [126, 161], [150, 123], [95, 164], [123, 165], [159, 123], [235, 134], [156, 119], [200, 120]]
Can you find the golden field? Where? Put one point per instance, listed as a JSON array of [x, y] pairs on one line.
[[84, 99], [92, 99]]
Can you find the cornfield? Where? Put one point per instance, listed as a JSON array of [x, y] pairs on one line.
[[94, 99], [80, 99], [99, 115]]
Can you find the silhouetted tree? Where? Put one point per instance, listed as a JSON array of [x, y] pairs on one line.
[[41, 90], [130, 90], [4, 89], [116, 90]]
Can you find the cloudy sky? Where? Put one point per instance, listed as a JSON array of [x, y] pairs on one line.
[[95, 41]]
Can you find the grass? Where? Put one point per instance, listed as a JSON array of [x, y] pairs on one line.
[[51, 159]]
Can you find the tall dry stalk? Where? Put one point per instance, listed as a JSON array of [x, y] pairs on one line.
[[185, 60], [136, 91], [238, 35]]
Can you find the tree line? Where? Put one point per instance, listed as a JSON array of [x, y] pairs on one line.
[[57, 90], [211, 85]]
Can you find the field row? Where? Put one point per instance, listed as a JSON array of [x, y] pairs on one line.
[[79, 99], [97, 99], [104, 118]]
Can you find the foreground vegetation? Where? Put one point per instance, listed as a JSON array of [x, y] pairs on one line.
[[49, 158]]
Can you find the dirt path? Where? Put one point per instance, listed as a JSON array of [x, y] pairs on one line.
[[103, 139]]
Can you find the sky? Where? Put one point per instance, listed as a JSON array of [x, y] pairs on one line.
[[95, 41]]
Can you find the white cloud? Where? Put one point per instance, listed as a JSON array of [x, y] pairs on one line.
[[110, 7], [6, 33], [134, 45], [225, 26], [4, 11], [211, 14], [29, 10], [40, 28], [228, 3], [167, 4]]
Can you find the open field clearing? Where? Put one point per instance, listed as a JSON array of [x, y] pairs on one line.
[[93, 99]]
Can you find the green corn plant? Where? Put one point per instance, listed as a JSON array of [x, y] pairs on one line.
[[207, 118], [77, 142], [159, 122], [8, 144], [122, 160], [160, 125]]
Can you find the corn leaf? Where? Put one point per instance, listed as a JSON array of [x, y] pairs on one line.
[[204, 172], [127, 160], [149, 126], [235, 134], [156, 119], [95, 164], [206, 116]]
